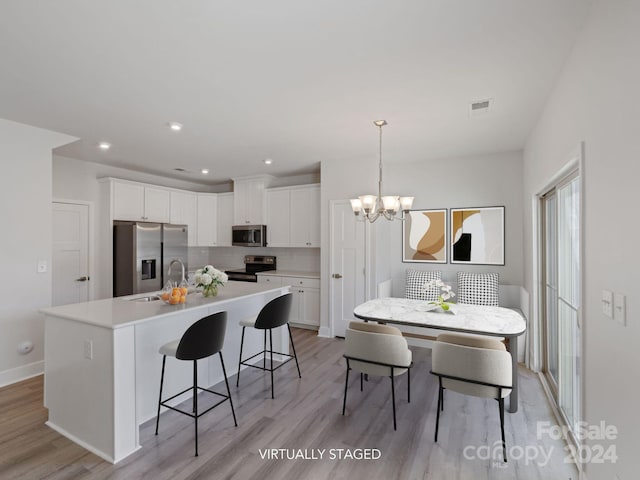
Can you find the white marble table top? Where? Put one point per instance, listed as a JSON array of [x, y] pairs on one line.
[[494, 321]]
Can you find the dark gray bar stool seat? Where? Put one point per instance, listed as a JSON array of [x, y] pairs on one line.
[[202, 339], [273, 315]]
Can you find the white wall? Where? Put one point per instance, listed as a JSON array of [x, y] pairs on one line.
[[596, 101], [25, 209], [486, 180]]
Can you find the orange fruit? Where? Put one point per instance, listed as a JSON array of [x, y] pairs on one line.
[[183, 299], [175, 292], [166, 296], [183, 291], [175, 299]]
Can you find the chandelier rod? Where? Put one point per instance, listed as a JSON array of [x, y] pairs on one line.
[[380, 168]]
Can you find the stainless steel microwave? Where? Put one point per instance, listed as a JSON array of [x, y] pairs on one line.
[[249, 235]]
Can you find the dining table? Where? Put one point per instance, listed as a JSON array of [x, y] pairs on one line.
[[491, 321]]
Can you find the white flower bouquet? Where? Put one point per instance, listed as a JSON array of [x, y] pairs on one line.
[[209, 279], [444, 294]]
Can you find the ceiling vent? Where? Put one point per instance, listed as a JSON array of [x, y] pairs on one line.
[[480, 107]]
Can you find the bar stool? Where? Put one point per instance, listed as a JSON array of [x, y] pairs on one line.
[[202, 339], [273, 315]]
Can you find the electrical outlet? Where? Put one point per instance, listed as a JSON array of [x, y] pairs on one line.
[[607, 303], [88, 349], [42, 266], [620, 308]]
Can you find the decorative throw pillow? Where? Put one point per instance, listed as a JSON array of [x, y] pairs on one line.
[[478, 288], [416, 281]]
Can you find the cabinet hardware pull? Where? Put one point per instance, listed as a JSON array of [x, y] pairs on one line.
[[82, 279], [336, 275]]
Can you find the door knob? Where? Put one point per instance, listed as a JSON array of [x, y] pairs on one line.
[[336, 275], [82, 279]]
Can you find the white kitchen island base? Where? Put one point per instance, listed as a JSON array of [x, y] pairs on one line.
[[102, 366]]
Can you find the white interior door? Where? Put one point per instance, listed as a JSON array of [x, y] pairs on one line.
[[347, 264], [70, 264]]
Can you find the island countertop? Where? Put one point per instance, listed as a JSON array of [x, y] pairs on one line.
[[125, 311]]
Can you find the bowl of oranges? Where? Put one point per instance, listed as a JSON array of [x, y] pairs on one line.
[[174, 294]]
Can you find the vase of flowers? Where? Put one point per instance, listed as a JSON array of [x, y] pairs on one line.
[[444, 294], [209, 279]]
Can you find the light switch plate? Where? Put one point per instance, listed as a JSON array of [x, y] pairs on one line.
[[620, 308], [607, 303]]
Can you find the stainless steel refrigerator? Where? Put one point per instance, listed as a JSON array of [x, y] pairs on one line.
[[142, 253]]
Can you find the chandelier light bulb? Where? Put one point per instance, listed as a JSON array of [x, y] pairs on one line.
[[368, 203]]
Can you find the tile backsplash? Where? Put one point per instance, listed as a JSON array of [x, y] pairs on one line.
[[198, 258], [298, 259]]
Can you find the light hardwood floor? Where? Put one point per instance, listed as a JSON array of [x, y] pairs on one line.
[[304, 415]]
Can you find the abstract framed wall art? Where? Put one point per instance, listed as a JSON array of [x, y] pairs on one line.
[[424, 236], [477, 235]]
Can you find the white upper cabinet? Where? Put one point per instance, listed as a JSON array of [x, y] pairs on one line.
[[137, 202], [305, 217], [183, 212], [207, 220], [157, 204], [248, 200], [225, 218], [278, 217], [293, 216]]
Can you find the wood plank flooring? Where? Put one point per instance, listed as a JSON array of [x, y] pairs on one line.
[[306, 414]]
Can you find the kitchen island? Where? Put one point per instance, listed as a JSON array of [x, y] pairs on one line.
[[102, 366]]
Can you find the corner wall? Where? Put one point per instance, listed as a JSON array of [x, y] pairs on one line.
[[596, 101], [25, 239]]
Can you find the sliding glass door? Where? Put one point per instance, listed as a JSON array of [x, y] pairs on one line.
[[561, 295]]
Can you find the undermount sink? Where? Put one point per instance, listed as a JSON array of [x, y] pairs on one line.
[[151, 298]]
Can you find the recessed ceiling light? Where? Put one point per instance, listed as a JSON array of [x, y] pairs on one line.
[[175, 126], [204, 171], [104, 145], [268, 161]]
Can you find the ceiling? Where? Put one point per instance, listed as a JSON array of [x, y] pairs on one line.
[[296, 81]]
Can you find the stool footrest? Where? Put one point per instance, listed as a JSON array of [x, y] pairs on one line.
[[164, 402], [244, 362]]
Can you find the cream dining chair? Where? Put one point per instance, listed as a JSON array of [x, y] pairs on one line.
[[380, 350], [472, 365]]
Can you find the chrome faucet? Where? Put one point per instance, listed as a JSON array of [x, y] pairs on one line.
[[176, 260]]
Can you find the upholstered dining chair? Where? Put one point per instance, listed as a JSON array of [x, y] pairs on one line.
[[472, 365], [379, 350]]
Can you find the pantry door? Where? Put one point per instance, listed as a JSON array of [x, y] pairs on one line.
[[70, 262]]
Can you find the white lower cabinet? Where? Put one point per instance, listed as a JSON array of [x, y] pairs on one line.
[[305, 309]]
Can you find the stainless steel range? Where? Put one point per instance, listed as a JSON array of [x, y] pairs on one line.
[[253, 264]]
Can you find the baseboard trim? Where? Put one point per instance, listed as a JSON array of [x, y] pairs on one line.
[[23, 372], [324, 332], [86, 446]]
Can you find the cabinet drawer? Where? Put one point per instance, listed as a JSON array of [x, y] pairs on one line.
[[276, 281], [301, 282]]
